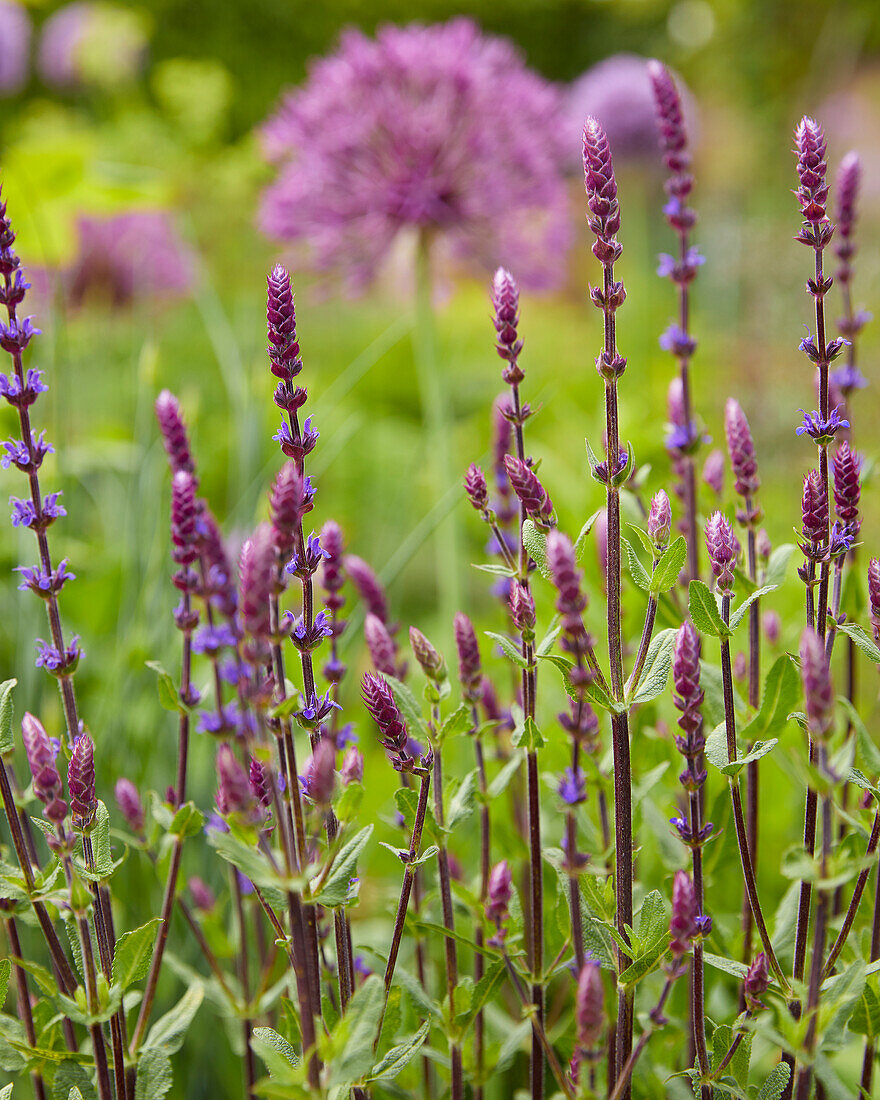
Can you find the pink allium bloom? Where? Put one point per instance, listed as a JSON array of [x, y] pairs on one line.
[[617, 92], [15, 46], [132, 255], [91, 43], [434, 128]]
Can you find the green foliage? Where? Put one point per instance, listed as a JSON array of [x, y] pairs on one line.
[[7, 714], [131, 958]]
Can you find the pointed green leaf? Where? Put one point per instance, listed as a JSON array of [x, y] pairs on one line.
[[778, 564], [668, 568], [508, 648], [501, 780], [862, 640], [461, 804], [460, 721], [169, 1031], [535, 542], [359, 1027], [7, 715], [408, 706], [636, 569], [655, 672], [400, 1056], [703, 610], [581, 541], [336, 886], [133, 952], [736, 616], [781, 692], [169, 697], [154, 1075]]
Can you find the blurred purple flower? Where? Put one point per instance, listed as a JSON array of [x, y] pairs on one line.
[[138, 254], [424, 127], [15, 46], [91, 43]]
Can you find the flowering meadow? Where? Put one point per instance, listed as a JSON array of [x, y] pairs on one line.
[[466, 685]]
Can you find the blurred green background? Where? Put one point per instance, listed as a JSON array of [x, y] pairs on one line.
[[177, 132]]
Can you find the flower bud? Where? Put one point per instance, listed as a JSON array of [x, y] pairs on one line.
[[723, 548], [352, 766], [469, 673], [81, 781], [660, 521], [430, 661], [818, 689], [590, 1005], [129, 802], [319, 776]]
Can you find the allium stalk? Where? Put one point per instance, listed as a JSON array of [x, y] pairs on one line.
[[681, 270], [604, 221]]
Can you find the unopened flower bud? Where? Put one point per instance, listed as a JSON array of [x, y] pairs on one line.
[[129, 802], [660, 521], [352, 770], [430, 661]]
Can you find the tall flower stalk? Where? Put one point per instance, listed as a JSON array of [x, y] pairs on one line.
[[604, 221], [681, 269]]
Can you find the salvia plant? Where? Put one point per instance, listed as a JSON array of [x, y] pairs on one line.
[[576, 929]]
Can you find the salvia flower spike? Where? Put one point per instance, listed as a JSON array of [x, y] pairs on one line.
[[723, 548], [81, 781]]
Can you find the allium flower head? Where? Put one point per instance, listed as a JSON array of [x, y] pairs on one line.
[[741, 449], [423, 127], [616, 90], [723, 547], [818, 689], [15, 42], [138, 254]]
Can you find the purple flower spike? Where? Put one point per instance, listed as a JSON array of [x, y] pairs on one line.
[[810, 147], [660, 521], [476, 488], [756, 983], [601, 186], [352, 770], [741, 449], [505, 299], [383, 651], [281, 320], [430, 661], [531, 493], [234, 793], [469, 665], [499, 893], [685, 923], [290, 500], [318, 780], [874, 595], [256, 574], [369, 588], [42, 752], [174, 434], [590, 1005], [306, 564], [130, 806], [379, 701], [723, 548], [713, 471], [814, 513], [847, 466], [522, 609], [183, 518], [260, 779], [670, 118], [81, 782], [304, 636], [818, 689]]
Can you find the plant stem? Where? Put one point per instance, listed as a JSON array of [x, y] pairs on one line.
[[485, 861], [752, 772], [736, 801], [698, 1009], [247, 1025], [434, 396], [405, 890], [871, 1044], [622, 1084], [23, 1000], [855, 900]]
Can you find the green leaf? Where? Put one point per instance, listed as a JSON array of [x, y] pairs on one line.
[[460, 721], [407, 801], [508, 648], [134, 950], [652, 917], [644, 538], [409, 708], [716, 752], [187, 821], [336, 886], [250, 861], [154, 1075], [736, 616], [865, 1020], [501, 780], [169, 697], [778, 564], [528, 736], [581, 541], [462, 803], [668, 568], [358, 1025], [781, 692], [862, 640], [278, 1055], [495, 569], [775, 1082], [6, 1091], [593, 691], [74, 1094], [636, 569], [5, 971], [169, 1031], [738, 1067], [703, 610], [646, 961], [535, 542], [7, 714], [72, 1079], [400, 1056], [729, 966], [655, 672], [549, 639]]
